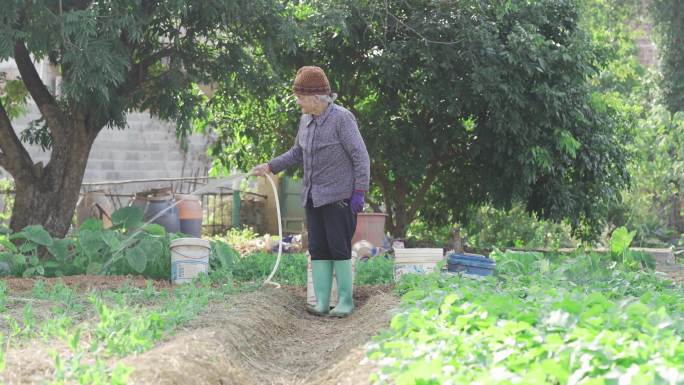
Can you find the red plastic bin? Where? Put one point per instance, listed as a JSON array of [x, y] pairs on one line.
[[370, 227]]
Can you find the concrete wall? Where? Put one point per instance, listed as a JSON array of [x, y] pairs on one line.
[[148, 149]]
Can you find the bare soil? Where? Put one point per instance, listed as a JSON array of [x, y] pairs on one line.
[[267, 337], [666, 263], [85, 282], [260, 337]]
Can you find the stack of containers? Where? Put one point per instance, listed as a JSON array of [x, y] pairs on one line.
[[416, 261]]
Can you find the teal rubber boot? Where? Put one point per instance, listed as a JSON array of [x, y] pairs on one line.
[[345, 289], [322, 272]]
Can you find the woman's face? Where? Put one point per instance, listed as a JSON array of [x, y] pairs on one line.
[[308, 103]]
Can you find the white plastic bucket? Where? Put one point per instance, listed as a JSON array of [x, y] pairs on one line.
[[189, 258]]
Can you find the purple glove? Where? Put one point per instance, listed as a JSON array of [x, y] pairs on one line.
[[356, 202]]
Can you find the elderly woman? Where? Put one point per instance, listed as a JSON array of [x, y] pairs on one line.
[[336, 177]]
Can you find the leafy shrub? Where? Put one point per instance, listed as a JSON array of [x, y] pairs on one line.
[[6, 201], [257, 266], [292, 270], [490, 227], [421, 234], [651, 206], [129, 247], [531, 322], [378, 270], [222, 256], [239, 236]]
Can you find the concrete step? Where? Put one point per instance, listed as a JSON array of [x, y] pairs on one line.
[[146, 149]]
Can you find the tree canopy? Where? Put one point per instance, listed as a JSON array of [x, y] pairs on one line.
[[459, 104], [114, 57], [669, 21]]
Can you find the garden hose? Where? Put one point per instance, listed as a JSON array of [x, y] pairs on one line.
[[280, 234]]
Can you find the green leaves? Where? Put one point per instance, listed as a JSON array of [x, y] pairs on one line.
[[671, 30], [147, 249], [94, 268], [658, 174], [256, 267], [113, 57], [91, 249], [13, 96], [620, 240], [154, 229], [36, 234], [377, 270], [90, 242], [538, 327], [127, 217], [568, 144], [495, 107], [60, 249], [121, 250], [222, 256], [137, 259]]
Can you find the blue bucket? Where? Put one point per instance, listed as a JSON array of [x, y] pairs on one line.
[[470, 264]]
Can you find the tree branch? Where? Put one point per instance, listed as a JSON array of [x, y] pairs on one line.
[[14, 157], [40, 94], [379, 175], [373, 204], [69, 6], [138, 73], [419, 197]]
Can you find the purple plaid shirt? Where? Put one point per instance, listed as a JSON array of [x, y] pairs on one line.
[[333, 154]]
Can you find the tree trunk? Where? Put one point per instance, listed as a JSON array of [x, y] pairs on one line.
[[676, 209], [49, 196], [403, 205], [401, 223], [401, 202], [398, 218]]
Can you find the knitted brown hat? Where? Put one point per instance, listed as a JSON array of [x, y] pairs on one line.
[[311, 80]]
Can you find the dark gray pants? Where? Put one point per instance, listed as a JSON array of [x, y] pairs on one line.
[[331, 228]]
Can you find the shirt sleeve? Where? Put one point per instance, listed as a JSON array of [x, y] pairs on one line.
[[351, 140], [288, 159]]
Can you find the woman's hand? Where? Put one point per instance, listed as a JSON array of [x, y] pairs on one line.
[[261, 169], [356, 201]]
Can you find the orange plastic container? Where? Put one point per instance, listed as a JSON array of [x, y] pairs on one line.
[[370, 227], [190, 214]]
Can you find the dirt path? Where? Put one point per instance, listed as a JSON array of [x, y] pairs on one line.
[[266, 337], [260, 337], [666, 263], [85, 283]]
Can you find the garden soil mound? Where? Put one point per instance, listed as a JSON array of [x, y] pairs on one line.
[[267, 337], [85, 283], [260, 337]]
